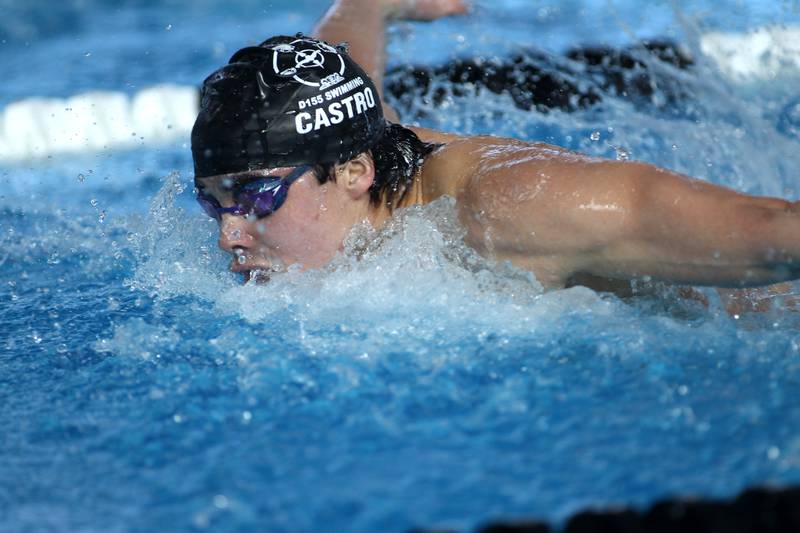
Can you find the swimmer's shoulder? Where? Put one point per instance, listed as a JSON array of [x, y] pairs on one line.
[[486, 146], [461, 161]]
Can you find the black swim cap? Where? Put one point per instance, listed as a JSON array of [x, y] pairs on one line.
[[289, 101]]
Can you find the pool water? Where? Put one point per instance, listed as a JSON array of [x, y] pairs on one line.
[[410, 383]]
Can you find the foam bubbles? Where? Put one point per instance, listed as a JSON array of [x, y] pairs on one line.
[[137, 339], [176, 250], [412, 285]]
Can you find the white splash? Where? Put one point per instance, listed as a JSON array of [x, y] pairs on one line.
[[762, 53], [413, 269]]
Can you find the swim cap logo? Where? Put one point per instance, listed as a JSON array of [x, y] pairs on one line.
[[301, 58], [309, 59]]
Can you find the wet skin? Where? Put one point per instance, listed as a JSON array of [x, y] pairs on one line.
[[561, 215], [564, 215], [295, 233]]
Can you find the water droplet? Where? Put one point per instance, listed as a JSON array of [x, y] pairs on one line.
[[36, 337], [156, 394], [220, 501], [169, 27], [201, 520], [93, 201], [258, 276], [241, 259], [87, 54], [622, 154], [81, 178], [177, 418], [773, 453], [247, 416], [595, 136], [62, 348]]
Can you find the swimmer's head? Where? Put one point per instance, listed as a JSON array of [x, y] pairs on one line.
[[289, 101], [272, 113]]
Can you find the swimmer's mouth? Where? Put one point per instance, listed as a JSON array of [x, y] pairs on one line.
[[251, 271], [254, 274], [258, 276]]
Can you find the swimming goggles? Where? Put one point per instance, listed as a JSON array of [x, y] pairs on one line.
[[259, 197]]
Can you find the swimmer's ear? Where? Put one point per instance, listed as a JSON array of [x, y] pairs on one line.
[[356, 176]]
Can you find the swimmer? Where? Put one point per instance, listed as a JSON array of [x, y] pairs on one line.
[[293, 147]]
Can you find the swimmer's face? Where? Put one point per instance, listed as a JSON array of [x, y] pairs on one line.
[[307, 229]]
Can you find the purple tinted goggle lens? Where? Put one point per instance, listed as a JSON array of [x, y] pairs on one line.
[[259, 197]]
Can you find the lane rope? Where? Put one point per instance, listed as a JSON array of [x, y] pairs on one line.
[[94, 121]]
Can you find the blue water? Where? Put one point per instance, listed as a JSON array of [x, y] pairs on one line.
[[142, 388]]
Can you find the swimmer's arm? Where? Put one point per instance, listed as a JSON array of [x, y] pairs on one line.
[[648, 222], [362, 23]]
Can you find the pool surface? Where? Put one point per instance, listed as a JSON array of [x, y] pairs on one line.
[[411, 383]]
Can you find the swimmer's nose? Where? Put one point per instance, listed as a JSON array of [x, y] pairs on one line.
[[233, 233]]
